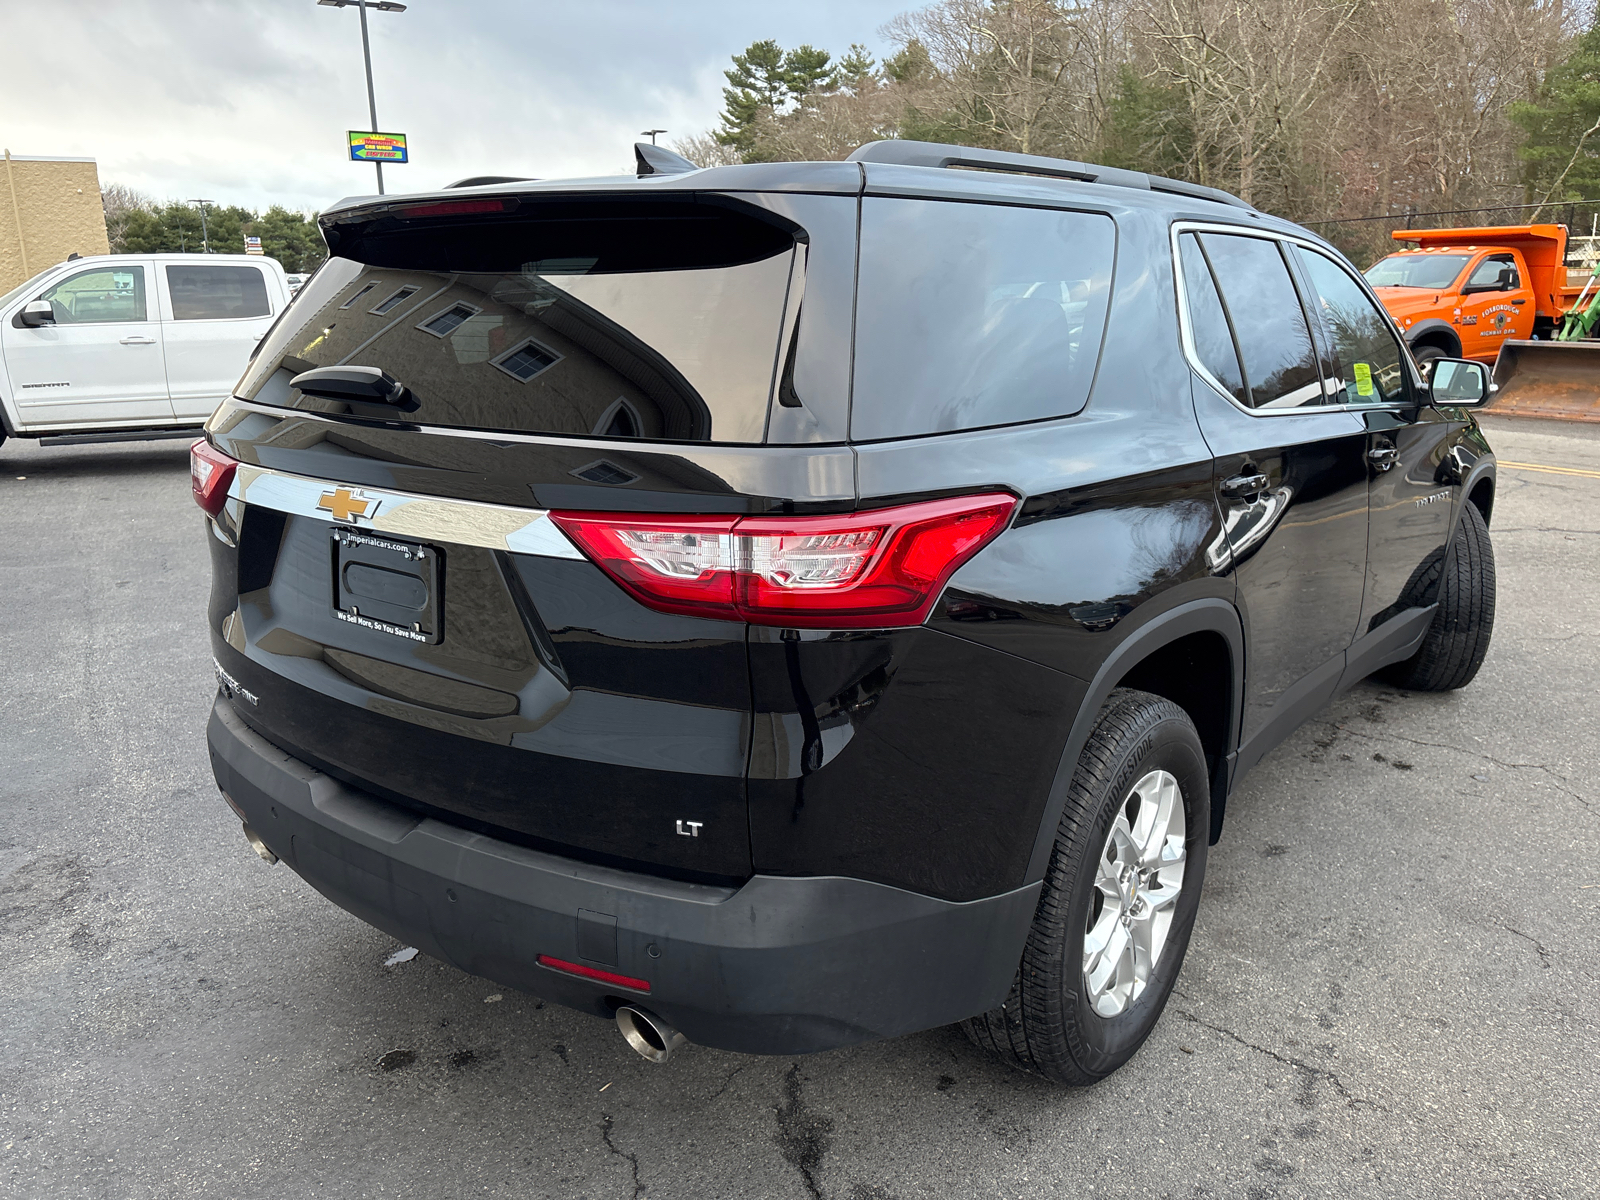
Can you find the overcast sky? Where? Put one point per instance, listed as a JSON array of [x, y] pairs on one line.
[[249, 103]]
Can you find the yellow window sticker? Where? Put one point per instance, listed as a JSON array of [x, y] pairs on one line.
[[1363, 379]]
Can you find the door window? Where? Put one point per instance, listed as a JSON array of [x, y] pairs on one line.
[[1208, 324], [1368, 365], [1269, 326], [99, 296], [1486, 275], [217, 293]]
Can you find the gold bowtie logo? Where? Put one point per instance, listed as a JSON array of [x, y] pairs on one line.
[[346, 505]]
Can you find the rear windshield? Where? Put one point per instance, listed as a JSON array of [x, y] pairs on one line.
[[971, 315], [628, 320]]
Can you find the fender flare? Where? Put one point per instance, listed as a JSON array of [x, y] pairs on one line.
[[1483, 469], [1435, 325], [1207, 615]]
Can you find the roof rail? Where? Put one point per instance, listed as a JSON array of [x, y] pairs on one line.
[[933, 154], [652, 159], [484, 180]]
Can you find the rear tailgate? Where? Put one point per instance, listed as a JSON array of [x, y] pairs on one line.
[[388, 588]]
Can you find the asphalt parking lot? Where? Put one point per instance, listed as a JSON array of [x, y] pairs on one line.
[[1392, 989]]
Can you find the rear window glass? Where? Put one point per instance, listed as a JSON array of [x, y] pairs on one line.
[[217, 293], [628, 320], [971, 315]]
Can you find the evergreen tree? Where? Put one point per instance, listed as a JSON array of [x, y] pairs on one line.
[[1561, 152], [765, 80]]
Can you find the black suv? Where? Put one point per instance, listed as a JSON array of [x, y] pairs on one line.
[[801, 603]]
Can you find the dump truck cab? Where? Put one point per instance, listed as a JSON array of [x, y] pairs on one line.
[[1466, 292]]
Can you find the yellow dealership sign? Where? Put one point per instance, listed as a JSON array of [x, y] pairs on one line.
[[377, 147]]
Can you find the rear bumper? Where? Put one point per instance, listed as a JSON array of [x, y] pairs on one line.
[[777, 966]]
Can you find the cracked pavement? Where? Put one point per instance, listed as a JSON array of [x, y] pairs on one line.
[[1392, 988]]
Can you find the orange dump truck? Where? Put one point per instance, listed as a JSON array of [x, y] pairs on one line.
[[1504, 295]]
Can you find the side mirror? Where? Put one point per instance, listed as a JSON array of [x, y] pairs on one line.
[[1508, 278], [38, 312], [1458, 383]]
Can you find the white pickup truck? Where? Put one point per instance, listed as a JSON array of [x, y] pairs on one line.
[[129, 347]]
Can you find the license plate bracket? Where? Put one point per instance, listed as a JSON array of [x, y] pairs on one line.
[[389, 586]]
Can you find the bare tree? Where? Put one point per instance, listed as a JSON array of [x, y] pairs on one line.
[[118, 200], [703, 150]]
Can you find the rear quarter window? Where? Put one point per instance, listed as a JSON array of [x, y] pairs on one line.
[[973, 315]]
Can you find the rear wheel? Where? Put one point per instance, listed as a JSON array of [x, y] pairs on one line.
[[1119, 898], [1457, 640]]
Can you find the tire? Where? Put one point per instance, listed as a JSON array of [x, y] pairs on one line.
[[1426, 354], [1456, 642], [1049, 1024]]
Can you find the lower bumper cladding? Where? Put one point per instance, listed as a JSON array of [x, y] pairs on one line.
[[777, 966]]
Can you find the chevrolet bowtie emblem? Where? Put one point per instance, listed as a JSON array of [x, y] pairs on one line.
[[347, 504]]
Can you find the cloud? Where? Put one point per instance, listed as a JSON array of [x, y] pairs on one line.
[[249, 104]]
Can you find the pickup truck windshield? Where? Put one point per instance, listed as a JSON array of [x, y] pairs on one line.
[[1432, 271]]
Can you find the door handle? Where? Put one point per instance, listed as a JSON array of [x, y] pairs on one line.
[[138, 341], [1524, 300], [1383, 457], [1244, 485]]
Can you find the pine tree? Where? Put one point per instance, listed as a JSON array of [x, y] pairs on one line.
[[1561, 154]]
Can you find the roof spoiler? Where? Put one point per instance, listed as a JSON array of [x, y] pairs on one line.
[[485, 180], [934, 154]]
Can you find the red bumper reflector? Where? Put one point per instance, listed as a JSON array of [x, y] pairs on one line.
[[210, 473], [876, 569], [595, 973]]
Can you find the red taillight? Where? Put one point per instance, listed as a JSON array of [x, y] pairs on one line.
[[595, 973], [210, 473], [454, 208], [865, 570]]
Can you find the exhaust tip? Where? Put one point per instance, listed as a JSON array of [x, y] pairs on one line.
[[648, 1034], [256, 844]]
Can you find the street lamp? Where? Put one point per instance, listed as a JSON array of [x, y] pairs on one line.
[[366, 54], [205, 242], [651, 134]]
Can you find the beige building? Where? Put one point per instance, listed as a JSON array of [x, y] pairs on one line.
[[49, 208]]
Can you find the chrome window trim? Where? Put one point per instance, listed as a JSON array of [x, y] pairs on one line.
[[1186, 334], [405, 514]]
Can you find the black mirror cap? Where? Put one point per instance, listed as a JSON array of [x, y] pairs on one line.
[[365, 386], [1460, 383], [37, 313]]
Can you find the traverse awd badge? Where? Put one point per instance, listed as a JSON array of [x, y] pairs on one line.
[[349, 504]]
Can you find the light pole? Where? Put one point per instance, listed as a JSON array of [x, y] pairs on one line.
[[651, 134], [205, 241], [366, 54]]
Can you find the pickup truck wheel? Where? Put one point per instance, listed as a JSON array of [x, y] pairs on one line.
[[1119, 898], [1426, 354], [1456, 642]]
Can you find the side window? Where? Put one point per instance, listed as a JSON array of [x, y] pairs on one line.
[[1487, 273], [1208, 323], [217, 293], [971, 315], [1263, 306], [1368, 364], [99, 296]]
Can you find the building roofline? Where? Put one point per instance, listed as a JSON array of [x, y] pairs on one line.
[[45, 158]]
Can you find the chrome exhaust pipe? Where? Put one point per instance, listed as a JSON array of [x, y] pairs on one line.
[[648, 1034], [256, 844]]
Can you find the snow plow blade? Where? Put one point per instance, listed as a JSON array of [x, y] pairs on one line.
[[1558, 380]]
